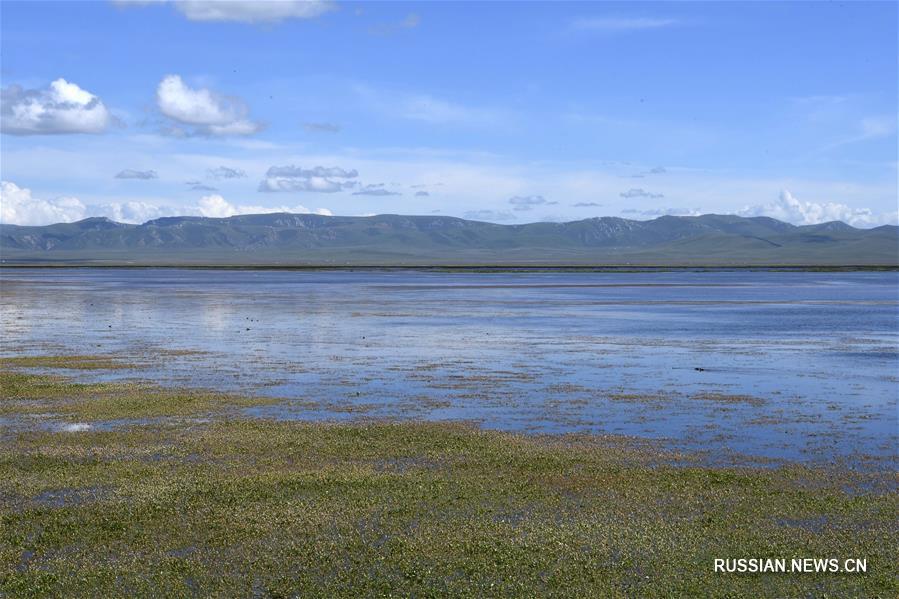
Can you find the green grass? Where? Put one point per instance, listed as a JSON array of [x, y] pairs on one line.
[[24, 394], [65, 362], [242, 507]]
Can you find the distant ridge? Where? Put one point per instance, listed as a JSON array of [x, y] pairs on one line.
[[309, 239]]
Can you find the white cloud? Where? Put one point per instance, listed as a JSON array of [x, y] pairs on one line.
[[238, 127], [640, 193], [376, 189], [242, 11], [252, 11], [472, 180], [130, 173], [523, 203], [655, 212], [198, 186], [132, 212], [611, 24], [318, 171], [18, 207], [319, 179], [208, 112], [790, 209], [225, 172], [215, 206], [62, 107]]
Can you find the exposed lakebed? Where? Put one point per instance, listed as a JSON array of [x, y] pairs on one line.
[[793, 365]]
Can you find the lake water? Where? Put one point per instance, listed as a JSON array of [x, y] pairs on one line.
[[795, 365]]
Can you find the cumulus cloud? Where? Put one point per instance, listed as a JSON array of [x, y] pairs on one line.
[[421, 194], [321, 127], [202, 111], [224, 172], [522, 203], [489, 215], [587, 205], [129, 173], [19, 207], [63, 107], [215, 206], [640, 193], [244, 11], [130, 212], [319, 179], [793, 210]]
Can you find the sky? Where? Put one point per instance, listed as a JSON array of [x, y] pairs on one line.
[[505, 112]]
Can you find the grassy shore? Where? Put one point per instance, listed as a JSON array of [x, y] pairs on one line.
[[187, 497]]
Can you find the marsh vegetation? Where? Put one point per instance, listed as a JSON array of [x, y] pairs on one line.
[[165, 492]]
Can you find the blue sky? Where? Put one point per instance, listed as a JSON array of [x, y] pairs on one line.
[[508, 112]]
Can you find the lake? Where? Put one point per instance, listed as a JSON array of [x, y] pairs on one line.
[[781, 365]]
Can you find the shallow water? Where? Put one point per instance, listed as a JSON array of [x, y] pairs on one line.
[[812, 357]]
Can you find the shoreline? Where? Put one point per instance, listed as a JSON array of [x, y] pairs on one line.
[[464, 268]]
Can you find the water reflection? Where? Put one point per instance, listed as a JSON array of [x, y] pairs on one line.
[[781, 364]]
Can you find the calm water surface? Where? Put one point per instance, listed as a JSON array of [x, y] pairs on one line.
[[775, 364]]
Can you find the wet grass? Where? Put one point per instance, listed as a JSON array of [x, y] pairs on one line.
[[26, 394], [246, 507], [64, 362]]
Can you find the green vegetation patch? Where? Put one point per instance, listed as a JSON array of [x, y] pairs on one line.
[[66, 362], [248, 507], [24, 394]]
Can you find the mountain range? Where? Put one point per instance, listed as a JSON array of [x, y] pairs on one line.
[[395, 240]]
